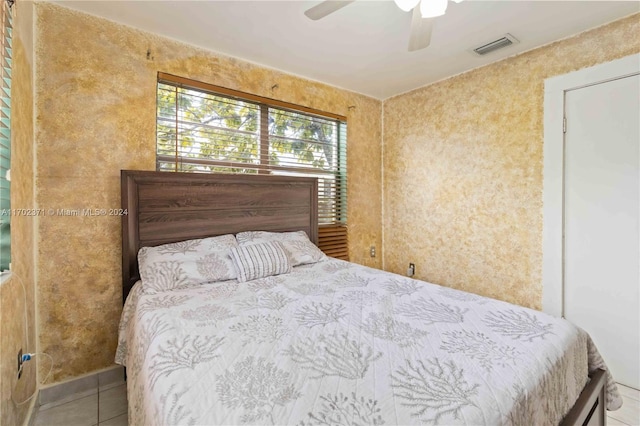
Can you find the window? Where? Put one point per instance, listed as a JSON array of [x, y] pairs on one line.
[[5, 137], [210, 129]]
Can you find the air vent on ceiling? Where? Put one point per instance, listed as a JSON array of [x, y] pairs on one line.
[[492, 46]]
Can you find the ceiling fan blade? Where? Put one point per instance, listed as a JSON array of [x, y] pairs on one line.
[[420, 31], [325, 8]]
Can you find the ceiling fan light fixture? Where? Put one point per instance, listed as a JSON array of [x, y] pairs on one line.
[[433, 8], [406, 5]]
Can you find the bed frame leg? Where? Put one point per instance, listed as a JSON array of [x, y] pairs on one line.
[[590, 408]]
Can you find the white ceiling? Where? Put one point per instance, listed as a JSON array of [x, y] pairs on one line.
[[362, 47]]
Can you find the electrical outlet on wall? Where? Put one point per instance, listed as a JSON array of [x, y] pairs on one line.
[[411, 270], [372, 251]]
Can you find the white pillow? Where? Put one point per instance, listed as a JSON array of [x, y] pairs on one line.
[[186, 263], [297, 245], [260, 260]]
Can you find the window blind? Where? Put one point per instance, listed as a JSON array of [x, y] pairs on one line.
[[5, 135], [210, 129]]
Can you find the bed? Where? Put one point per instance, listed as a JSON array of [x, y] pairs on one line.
[[326, 341]]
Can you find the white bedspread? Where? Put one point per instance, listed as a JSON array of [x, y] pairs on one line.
[[338, 343]]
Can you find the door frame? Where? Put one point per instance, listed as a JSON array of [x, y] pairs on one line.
[[555, 89]]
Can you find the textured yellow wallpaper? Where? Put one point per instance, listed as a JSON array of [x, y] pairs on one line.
[[95, 87], [463, 168], [13, 333]]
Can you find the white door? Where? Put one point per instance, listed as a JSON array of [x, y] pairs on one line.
[[602, 220]]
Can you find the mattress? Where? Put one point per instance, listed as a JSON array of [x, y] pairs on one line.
[[339, 343]]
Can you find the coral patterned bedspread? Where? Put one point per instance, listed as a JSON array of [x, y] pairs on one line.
[[338, 343]]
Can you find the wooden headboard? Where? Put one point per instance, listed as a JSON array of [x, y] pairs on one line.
[[165, 207]]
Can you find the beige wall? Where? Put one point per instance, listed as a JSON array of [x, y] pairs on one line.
[[20, 287], [95, 87], [463, 168]]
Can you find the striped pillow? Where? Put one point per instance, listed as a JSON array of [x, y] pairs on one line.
[[260, 260], [297, 245]]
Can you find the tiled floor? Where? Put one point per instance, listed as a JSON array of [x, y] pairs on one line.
[[629, 414], [108, 407]]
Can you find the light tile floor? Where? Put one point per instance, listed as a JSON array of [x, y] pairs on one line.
[[629, 413], [108, 407]]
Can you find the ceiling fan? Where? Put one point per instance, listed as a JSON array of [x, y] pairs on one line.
[[421, 20]]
